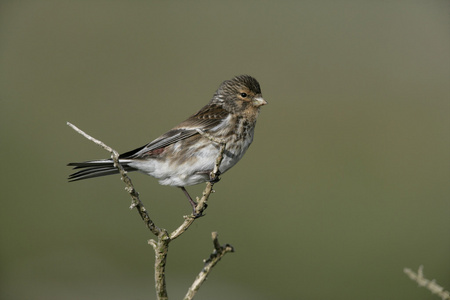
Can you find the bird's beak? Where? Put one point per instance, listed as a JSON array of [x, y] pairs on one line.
[[259, 101]]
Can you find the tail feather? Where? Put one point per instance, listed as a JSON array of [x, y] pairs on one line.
[[95, 168]]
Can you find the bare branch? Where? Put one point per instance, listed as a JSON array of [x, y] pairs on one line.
[[161, 250], [218, 252], [161, 245], [98, 142], [136, 202], [430, 285]]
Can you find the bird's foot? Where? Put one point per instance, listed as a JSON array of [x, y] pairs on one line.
[[195, 213], [214, 178]]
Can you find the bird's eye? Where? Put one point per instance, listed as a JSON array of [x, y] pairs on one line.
[[244, 95]]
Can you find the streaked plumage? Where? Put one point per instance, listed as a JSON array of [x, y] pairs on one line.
[[183, 157]]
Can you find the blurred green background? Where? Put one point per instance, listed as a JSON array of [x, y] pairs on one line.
[[346, 183]]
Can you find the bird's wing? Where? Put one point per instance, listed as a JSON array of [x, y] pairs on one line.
[[209, 117]]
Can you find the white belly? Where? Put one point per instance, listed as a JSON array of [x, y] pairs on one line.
[[194, 170]]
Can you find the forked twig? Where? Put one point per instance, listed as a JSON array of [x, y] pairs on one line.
[[161, 245], [218, 252], [430, 285]]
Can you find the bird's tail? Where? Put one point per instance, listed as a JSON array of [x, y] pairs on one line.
[[96, 168]]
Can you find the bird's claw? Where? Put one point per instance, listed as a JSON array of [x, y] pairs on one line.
[[214, 178], [198, 214]]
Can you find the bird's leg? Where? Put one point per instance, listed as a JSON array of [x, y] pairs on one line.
[[192, 202]]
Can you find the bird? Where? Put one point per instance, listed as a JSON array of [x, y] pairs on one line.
[[186, 154]]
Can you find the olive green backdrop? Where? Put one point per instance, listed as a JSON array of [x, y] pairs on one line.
[[346, 183]]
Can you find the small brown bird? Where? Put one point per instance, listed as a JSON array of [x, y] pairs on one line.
[[182, 156]]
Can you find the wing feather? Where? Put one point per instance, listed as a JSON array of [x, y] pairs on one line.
[[209, 117]]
